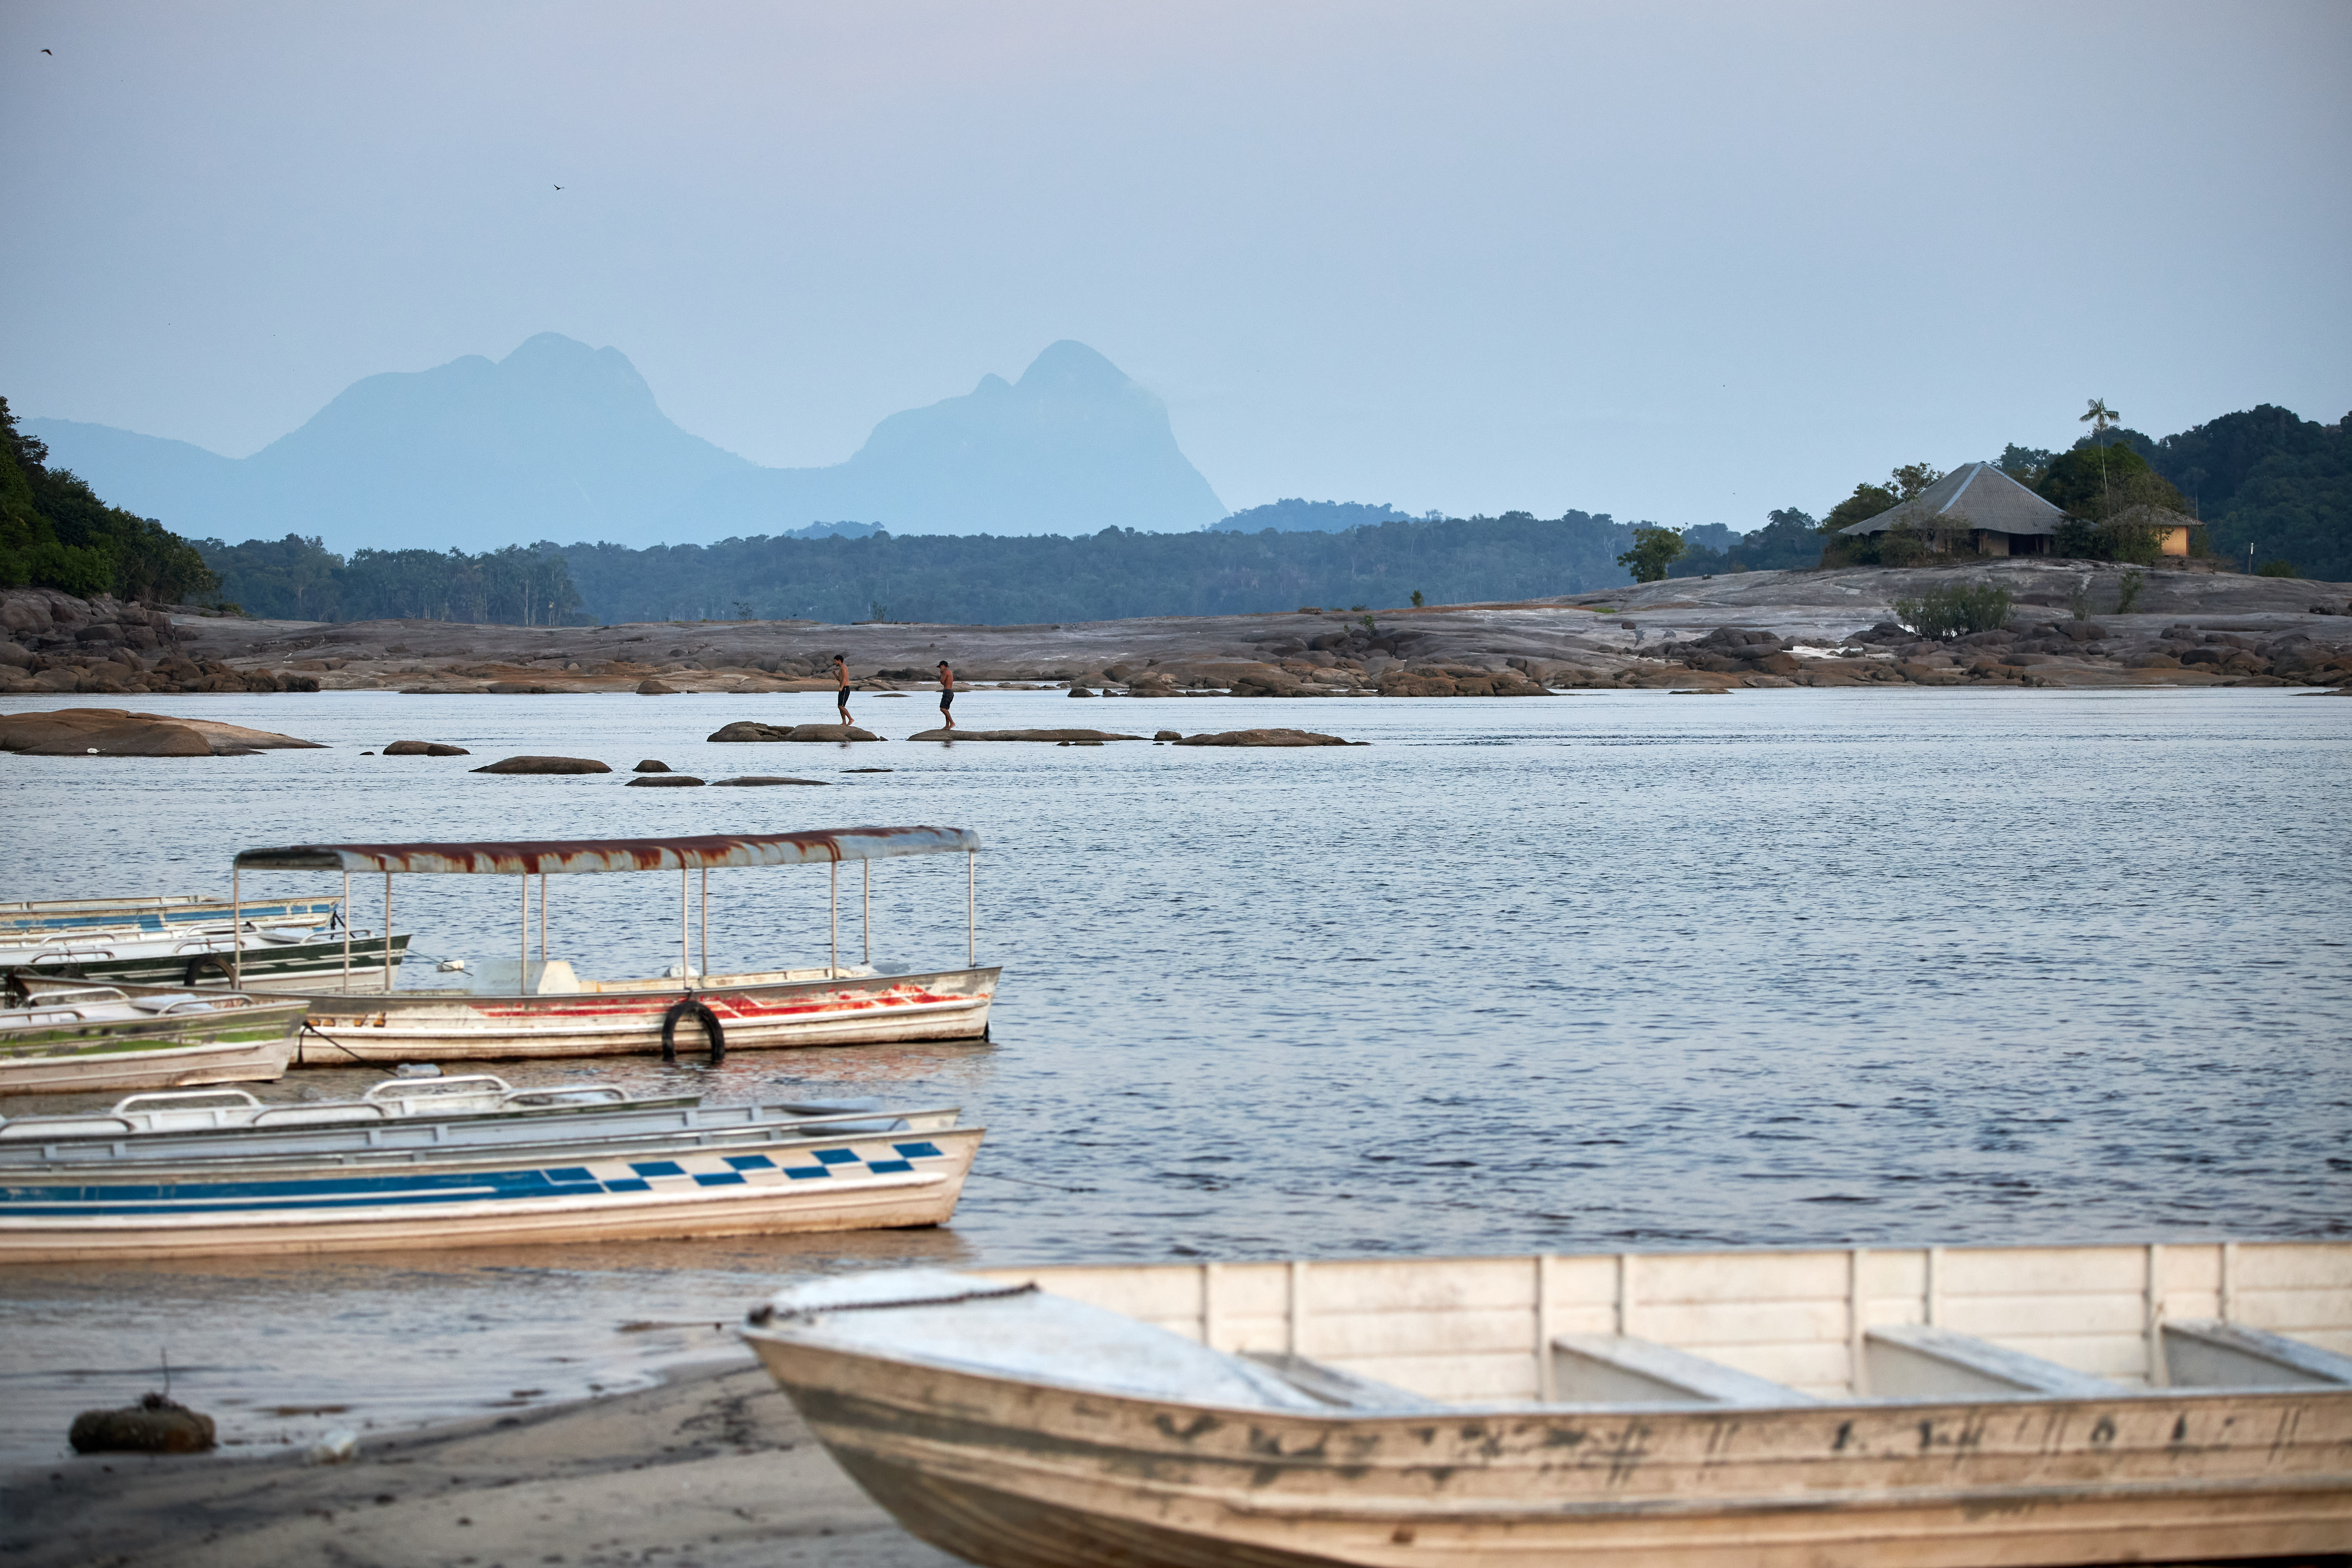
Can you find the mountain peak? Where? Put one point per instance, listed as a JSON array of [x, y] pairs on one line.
[[1068, 365]]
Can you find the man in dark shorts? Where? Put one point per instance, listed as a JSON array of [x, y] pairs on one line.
[[947, 695], [841, 697]]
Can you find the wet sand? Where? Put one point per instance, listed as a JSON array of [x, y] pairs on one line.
[[712, 1470]]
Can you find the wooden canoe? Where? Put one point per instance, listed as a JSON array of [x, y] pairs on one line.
[[1921, 1407]]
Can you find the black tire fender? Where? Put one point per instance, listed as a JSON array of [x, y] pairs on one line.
[[691, 1008], [196, 968]]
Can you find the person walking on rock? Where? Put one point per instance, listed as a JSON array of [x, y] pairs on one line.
[[841, 697], [947, 695]]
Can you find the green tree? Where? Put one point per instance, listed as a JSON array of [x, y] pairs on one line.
[[1654, 550], [54, 534]]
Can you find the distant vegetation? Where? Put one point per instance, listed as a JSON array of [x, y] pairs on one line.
[[299, 579], [1955, 610], [54, 533], [1308, 517]]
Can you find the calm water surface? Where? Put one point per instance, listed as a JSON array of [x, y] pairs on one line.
[[1597, 971]]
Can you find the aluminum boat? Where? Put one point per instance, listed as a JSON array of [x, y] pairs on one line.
[[72, 1038], [1899, 1407], [604, 1173]]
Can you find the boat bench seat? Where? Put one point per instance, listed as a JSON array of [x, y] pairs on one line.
[[1616, 1369], [2205, 1352], [1912, 1360], [1333, 1385]]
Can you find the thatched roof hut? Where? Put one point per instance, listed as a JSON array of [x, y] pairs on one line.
[[1999, 516]]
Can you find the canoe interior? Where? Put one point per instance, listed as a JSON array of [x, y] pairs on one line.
[[1759, 1326]]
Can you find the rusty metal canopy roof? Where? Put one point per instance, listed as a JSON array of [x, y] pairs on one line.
[[555, 855]]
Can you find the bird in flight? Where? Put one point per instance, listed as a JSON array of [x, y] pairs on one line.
[[50, 55], [558, 187]]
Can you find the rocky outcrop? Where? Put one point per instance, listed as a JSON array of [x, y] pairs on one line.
[[665, 781], [423, 749], [154, 1426], [54, 643], [650, 686], [117, 732], [1457, 681], [747, 730], [1268, 738], [1056, 735], [761, 781], [547, 765], [649, 766]]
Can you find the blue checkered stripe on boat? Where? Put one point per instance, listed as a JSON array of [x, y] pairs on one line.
[[810, 1170]]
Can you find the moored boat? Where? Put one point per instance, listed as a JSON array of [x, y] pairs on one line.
[[1928, 1407], [202, 1110], [606, 1173], [166, 912], [537, 1008], [75, 1038], [262, 958]]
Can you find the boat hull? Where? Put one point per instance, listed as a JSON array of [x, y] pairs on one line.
[[541, 1195], [1017, 1474], [247, 1044], [951, 1004], [32, 916]]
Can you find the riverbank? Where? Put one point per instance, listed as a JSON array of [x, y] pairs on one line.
[[1636, 636], [713, 1469]]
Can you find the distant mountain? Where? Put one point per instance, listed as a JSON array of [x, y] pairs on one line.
[[1308, 517], [562, 441], [556, 440], [1074, 446]]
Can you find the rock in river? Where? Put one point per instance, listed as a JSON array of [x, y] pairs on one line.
[[745, 730], [665, 781], [1055, 735], [757, 781], [1268, 738], [117, 732], [423, 749], [547, 765], [650, 766]]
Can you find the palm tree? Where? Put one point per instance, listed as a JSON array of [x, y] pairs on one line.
[[2099, 417]]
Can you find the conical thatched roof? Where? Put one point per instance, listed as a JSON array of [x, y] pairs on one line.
[[1974, 495]]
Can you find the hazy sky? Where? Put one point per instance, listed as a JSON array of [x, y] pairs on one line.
[[1686, 263]]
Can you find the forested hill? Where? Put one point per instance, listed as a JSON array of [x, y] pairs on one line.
[[1109, 575]]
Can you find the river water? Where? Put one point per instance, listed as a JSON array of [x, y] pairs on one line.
[[1605, 971]]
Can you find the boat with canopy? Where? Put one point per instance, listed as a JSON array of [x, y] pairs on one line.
[[542, 1007], [1845, 1407]]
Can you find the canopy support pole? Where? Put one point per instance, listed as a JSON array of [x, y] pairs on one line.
[[236, 932], [522, 957], [387, 932], [865, 913], [347, 933], [706, 922], [685, 957], [542, 916], [833, 917], [971, 909]]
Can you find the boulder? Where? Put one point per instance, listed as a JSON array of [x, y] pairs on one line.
[[1077, 690], [1777, 663], [423, 749], [747, 730], [10, 654], [650, 766], [118, 732], [517, 689], [761, 781], [664, 780], [547, 765], [1169, 735], [1056, 736], [153, 1426], [1396, 683], [1268, 738], [650, 686]]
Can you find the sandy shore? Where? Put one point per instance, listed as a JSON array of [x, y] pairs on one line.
[[712, 1470]]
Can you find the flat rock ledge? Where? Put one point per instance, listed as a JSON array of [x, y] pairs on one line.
[[550, 765], [118, 732], [665, 781], [745, 730], [424, 749], [1048, 735], [1268, 738], [761, 781]]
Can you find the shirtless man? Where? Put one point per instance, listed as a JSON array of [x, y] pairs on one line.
[[841, 697], [947, 695]]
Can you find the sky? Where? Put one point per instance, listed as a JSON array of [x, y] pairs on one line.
[[1681, 262]]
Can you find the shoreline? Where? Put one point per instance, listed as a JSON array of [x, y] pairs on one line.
[[712, 1467]]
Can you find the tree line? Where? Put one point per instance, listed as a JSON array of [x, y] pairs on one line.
[[54, 534], [299, 579]]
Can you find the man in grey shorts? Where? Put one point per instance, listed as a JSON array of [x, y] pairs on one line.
[[947, 695]]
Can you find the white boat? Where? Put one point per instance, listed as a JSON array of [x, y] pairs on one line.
[[525, 1007], [293, 956], [1903, 1407], [167, 912], [601, 1174], [70, 1039], [197, 1110]]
